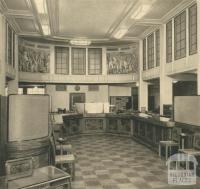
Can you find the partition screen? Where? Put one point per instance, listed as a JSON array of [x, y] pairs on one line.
[[186, 110], [28, 117]]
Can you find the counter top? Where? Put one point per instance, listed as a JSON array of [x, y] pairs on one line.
[[156, 120]]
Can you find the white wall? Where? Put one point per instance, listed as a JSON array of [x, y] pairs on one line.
[[60, 99], [119, 91]]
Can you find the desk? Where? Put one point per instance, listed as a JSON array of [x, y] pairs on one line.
[[42, 178]]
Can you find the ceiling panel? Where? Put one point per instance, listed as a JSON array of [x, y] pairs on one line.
[[136, 30], [90, 18], [160, 8], [16, 4], [26, 25]]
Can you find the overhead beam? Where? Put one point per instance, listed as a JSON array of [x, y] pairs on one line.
[[148, 22]]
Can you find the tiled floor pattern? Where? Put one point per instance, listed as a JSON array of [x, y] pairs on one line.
[[112, 162]]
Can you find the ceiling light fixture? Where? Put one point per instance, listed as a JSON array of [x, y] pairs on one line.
[[120, 33], [81, 42], [141, 11]]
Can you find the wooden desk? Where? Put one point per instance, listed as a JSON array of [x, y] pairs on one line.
[[43, 178]]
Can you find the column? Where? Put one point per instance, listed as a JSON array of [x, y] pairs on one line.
[[2, 55], [86, 61], [166, 84], [198, 46], [143, 86], [13, 84]]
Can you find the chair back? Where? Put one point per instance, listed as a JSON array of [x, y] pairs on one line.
[[176, 132], [196, 142], [52, 141]]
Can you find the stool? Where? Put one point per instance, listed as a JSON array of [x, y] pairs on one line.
[[68, 160], [168, 145]]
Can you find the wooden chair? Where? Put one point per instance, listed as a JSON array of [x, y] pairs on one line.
[[60, 140], [169, 144], [64, 161], [195, 151]]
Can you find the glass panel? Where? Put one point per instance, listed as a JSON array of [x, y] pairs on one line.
[[193, 29], [169, 42], [78, 61], [94, 61], [180, 36], [62, 60]]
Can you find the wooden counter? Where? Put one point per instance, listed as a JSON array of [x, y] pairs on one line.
[[148, 131]]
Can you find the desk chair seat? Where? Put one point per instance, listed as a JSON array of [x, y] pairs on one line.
[[168, 147], [66, 162], [193, 152]]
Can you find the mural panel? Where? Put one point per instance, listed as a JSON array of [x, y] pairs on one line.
[[33, 59], [123, 61]]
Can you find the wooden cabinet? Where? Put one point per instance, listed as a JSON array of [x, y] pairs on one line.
[[150, 133]]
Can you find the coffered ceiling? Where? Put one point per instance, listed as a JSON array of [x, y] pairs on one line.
[[97, 20]]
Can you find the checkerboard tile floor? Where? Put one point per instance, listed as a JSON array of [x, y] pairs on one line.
[[113, 162]]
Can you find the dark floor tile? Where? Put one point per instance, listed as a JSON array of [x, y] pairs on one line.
[[132, 174], [110, 187], [123, 180], [92, 182], [104, 176]]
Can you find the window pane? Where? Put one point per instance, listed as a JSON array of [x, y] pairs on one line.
[[94, 61], [62, 60], [9, 46], [78, 61], [144, 54], [193, 29], [150, 51], [169, 42], [158, 48], [180, 36]]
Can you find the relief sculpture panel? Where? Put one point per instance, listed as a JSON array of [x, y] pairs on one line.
[[33, 59], [123, 61]]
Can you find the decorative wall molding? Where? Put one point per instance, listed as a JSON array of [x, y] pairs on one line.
[[56, 78]]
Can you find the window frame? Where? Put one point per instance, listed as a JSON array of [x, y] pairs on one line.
[[150, 51], [169, 42], [144, 54], [157, 38], [180, 32], [192, 33], [95, 62], [63, 62], [83, 71]]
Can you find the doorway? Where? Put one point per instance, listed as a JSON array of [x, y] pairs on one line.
[[76, 98]]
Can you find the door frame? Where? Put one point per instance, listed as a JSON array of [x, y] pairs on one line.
[[70, 99]]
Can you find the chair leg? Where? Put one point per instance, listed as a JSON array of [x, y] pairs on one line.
[[166, 152], [159, 150], [73, 171]]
